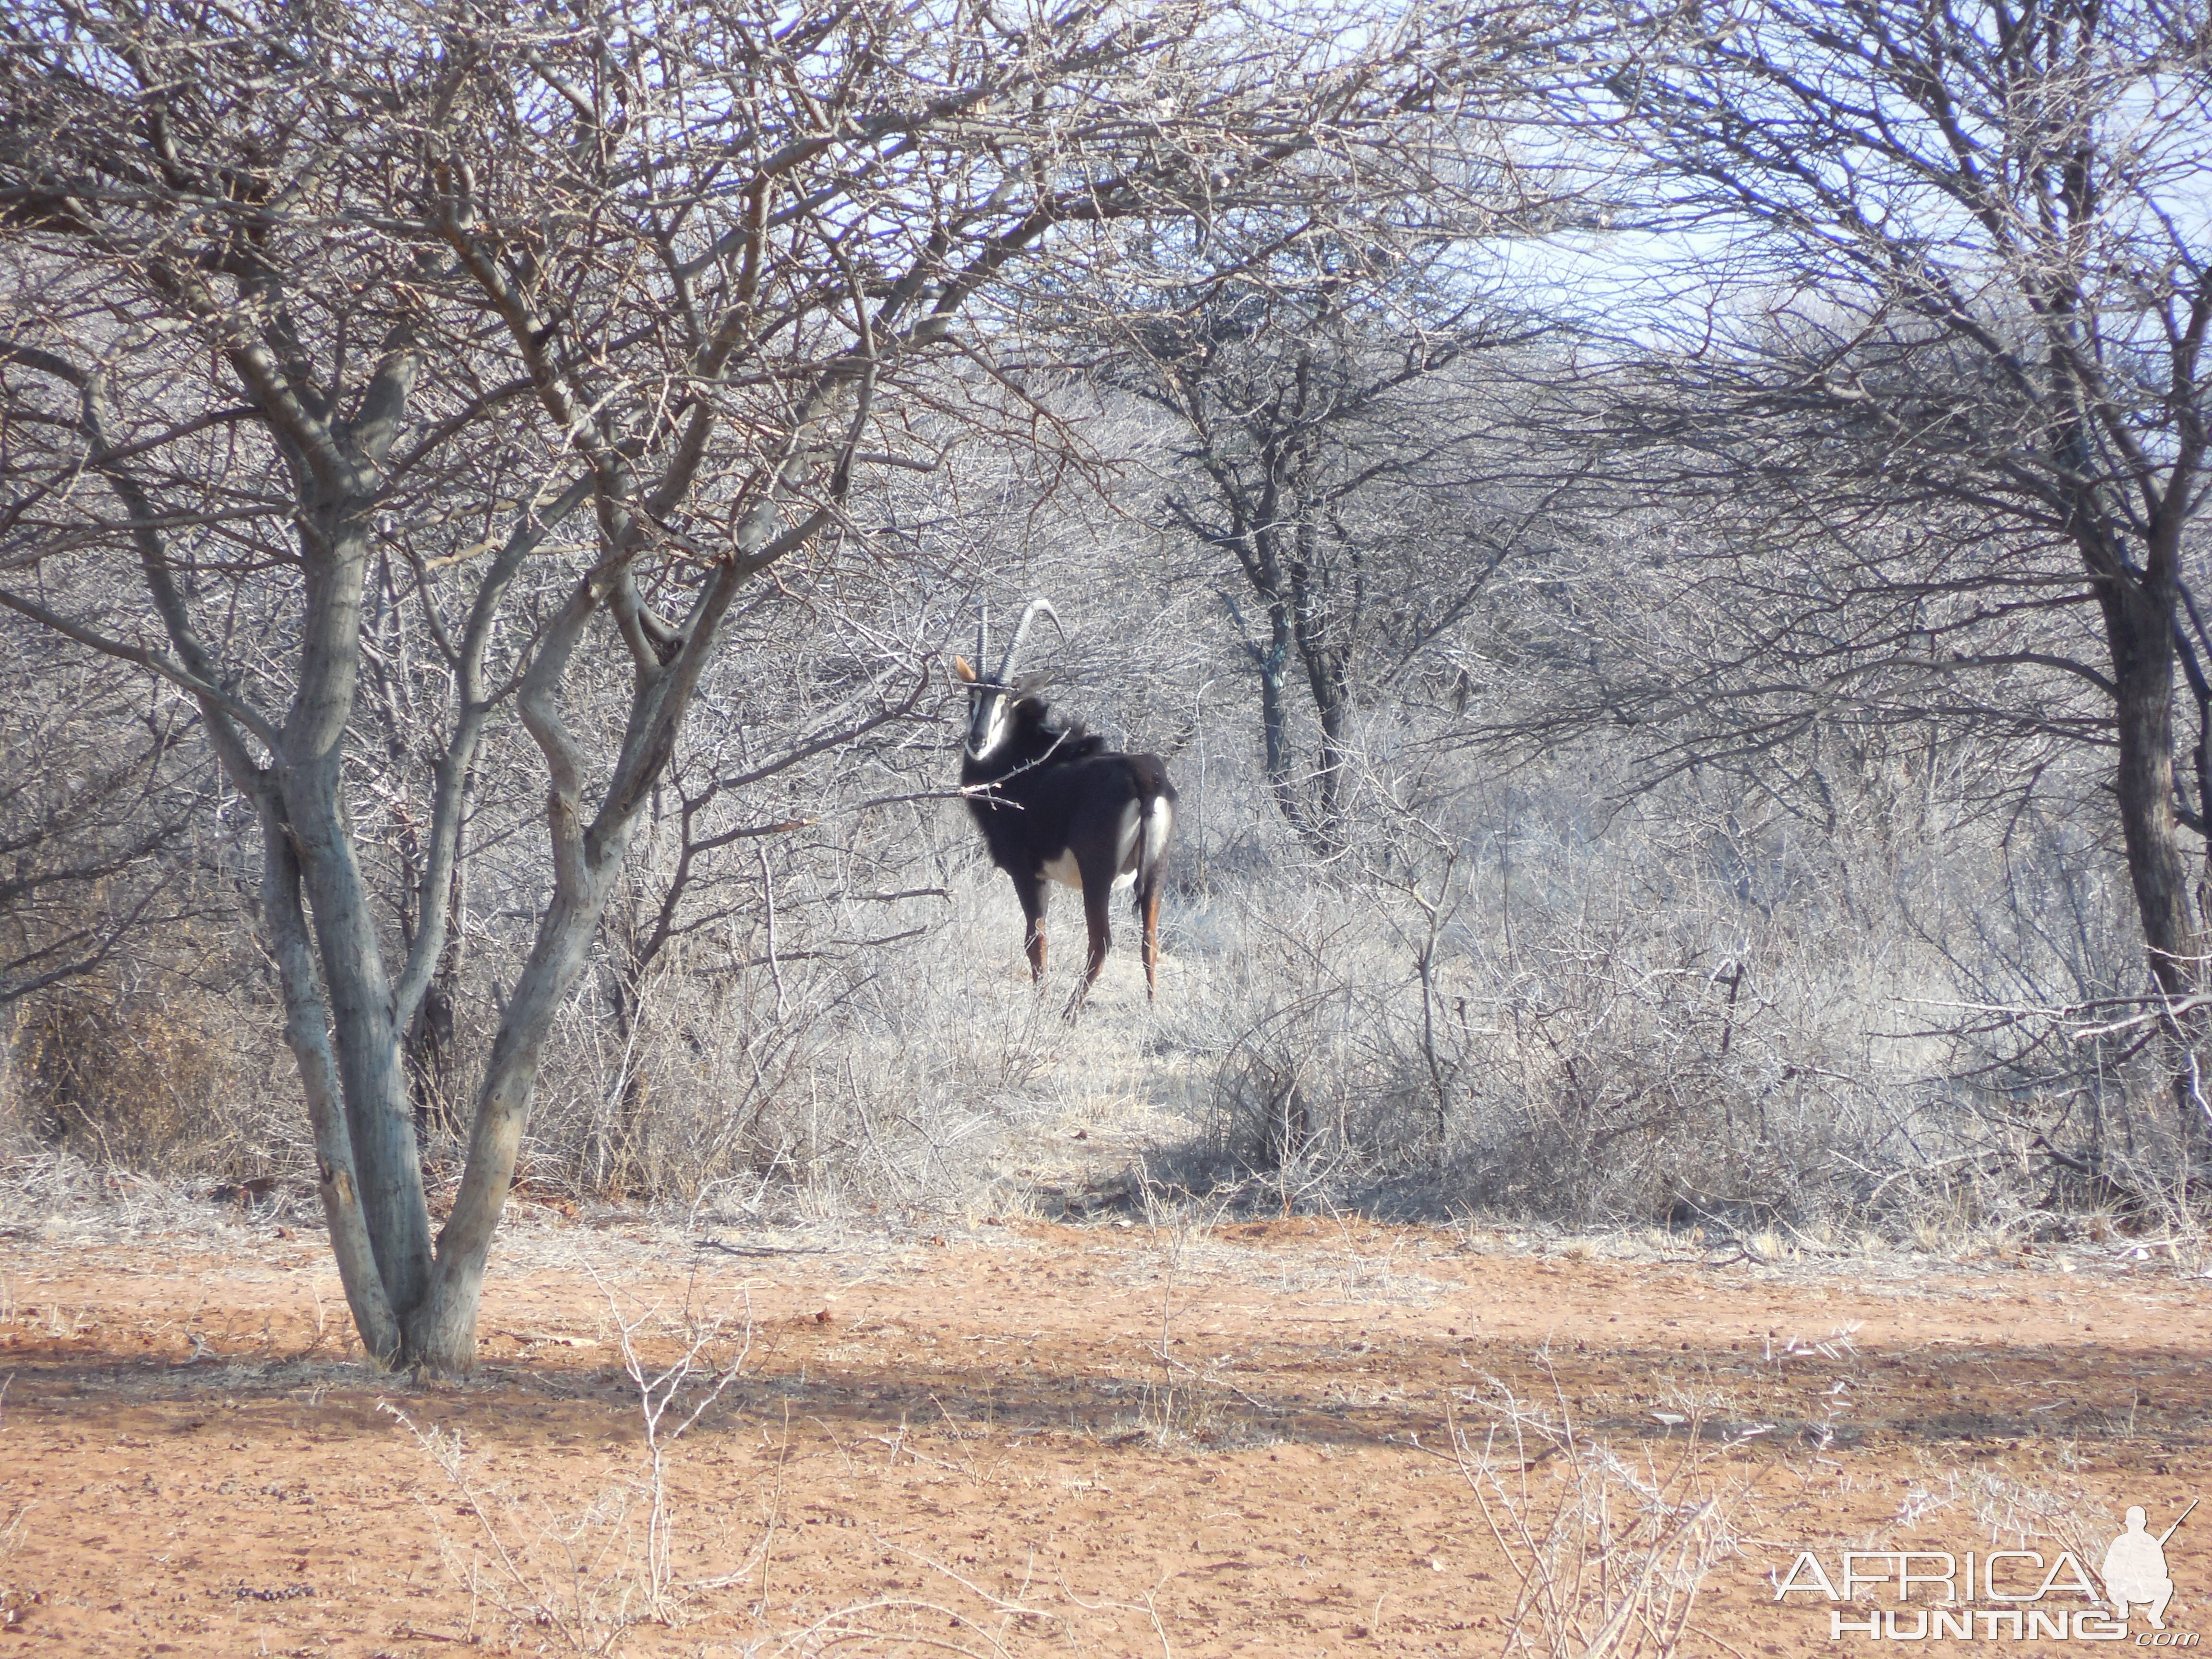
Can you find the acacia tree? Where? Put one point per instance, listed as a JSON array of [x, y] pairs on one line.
[[1311, 383], [1957, 286], [579, 323]]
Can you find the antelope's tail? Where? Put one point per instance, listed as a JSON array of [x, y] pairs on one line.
[[1155, 805]]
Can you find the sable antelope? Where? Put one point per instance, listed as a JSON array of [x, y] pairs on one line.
[[1055, 804]]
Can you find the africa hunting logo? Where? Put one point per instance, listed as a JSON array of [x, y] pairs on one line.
[[2003, 1595]]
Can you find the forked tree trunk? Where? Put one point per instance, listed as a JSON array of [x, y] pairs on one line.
[[343, 1028], [441, 1331], [412, 1307]]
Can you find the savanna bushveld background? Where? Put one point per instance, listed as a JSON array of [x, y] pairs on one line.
[[1657, 543]]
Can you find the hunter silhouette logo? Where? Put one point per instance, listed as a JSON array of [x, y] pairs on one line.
[[2134, 1568], [1999, 1595]]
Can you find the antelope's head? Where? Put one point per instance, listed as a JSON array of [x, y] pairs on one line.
[[990, 701]]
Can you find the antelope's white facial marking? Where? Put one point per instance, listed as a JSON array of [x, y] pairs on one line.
[[990, 714]]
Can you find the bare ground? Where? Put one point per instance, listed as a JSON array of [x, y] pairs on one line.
[[1026, 1438]]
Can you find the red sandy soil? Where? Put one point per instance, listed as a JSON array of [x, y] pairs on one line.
[[973, 1444]]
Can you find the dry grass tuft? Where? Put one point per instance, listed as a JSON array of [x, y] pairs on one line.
[[592, 1575], [1610, 1550]]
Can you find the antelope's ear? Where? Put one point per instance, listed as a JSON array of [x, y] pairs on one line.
[[961, 671]]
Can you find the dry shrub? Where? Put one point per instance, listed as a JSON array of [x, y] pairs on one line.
[[1602, 1074], [832, 1078], [593, 1575], [1610, 1548], [2049, 1510], [1696, 1014], [158, 1077], [1693, 1012], [17, 1600]]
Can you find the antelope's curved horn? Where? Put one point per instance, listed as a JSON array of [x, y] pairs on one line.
[[1022, 634], [983, 639]]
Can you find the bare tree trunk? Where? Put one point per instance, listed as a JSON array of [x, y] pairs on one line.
[[306, 1031], [2139, 624], [309, 772], [2140, 613], [431, 1035], [1329, 684], [1334, 702], [1273, 664]]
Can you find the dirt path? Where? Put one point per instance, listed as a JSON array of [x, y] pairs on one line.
[[983, 1443]]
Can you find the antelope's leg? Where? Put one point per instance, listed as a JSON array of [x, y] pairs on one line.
[[1097, 895], [1148, 907], [1031, 892]]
